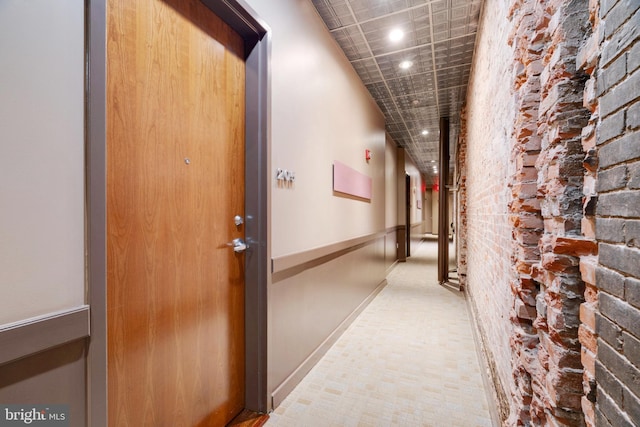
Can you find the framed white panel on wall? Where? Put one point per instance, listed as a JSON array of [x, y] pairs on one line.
[[42, 157]]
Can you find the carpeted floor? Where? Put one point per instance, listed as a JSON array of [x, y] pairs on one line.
[[408, 360]]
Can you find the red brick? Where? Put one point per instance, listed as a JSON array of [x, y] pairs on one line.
[[533, 143], [588, 315], [588, 138], [588, 268], [554, 190], [528, 205], [553, 171], [589, 186], [568, 381], [526, 236], [524, 311], [565, 400], [588, 408], [545, 214], [559, 263], [588, 227], [554, 225], [523, 267], [587, 338], [589, 100], [574, 246], [529, 254], [525, 131], [526, 190], [588, 360], [591, 294], [526, 159], [528, 173]]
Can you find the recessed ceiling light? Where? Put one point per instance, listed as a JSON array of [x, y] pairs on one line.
[[396, 35], [425, 132], [433, 161], [405, 65]]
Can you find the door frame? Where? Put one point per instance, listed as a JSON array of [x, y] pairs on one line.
[[256, 34], [407, 201]]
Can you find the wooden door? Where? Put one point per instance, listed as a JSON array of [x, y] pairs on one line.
[[175, 181]]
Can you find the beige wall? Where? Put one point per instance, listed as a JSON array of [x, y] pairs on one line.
[[391, 187], [406, 166], [415, 190], [400, 185], [41, 157], [320, 113], [428, 212], [310, 307]]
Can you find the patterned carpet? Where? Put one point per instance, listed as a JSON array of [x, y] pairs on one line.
[[408, 360]]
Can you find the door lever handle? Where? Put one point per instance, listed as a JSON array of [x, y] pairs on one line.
[[238, 245]]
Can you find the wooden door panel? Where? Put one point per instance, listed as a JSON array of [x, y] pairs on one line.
[[175, 180]]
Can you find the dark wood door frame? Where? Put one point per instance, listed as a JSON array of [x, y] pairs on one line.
[[239, 16], [407, 191], [443, 204]]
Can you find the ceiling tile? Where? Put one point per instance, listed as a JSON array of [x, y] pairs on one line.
[[368, 71], [439, 40], [352, 43], [335, 13], [369, 9]]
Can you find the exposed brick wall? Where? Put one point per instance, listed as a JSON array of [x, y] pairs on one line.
[[561, 118], [617, 213], [526, 39], [544, 208], [489, 117], [546, 211], [461, 220], [586, 62], [554, 262]]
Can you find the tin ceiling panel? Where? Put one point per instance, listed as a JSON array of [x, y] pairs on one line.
[[352, 43], [365, 10], [418, 78], [336, 14], [370, 73]]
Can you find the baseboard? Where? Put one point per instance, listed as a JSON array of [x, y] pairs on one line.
[[287, 386], [391, 267], [481, 352]]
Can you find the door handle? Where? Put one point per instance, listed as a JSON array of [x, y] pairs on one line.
[[238, 245]]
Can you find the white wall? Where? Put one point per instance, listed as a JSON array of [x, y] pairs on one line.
[[320, 113], [41, 157]]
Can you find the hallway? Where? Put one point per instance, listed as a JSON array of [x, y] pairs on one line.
[[408, 360]]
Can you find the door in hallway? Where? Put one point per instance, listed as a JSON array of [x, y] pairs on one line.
[[175, 182], [407, 196]]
